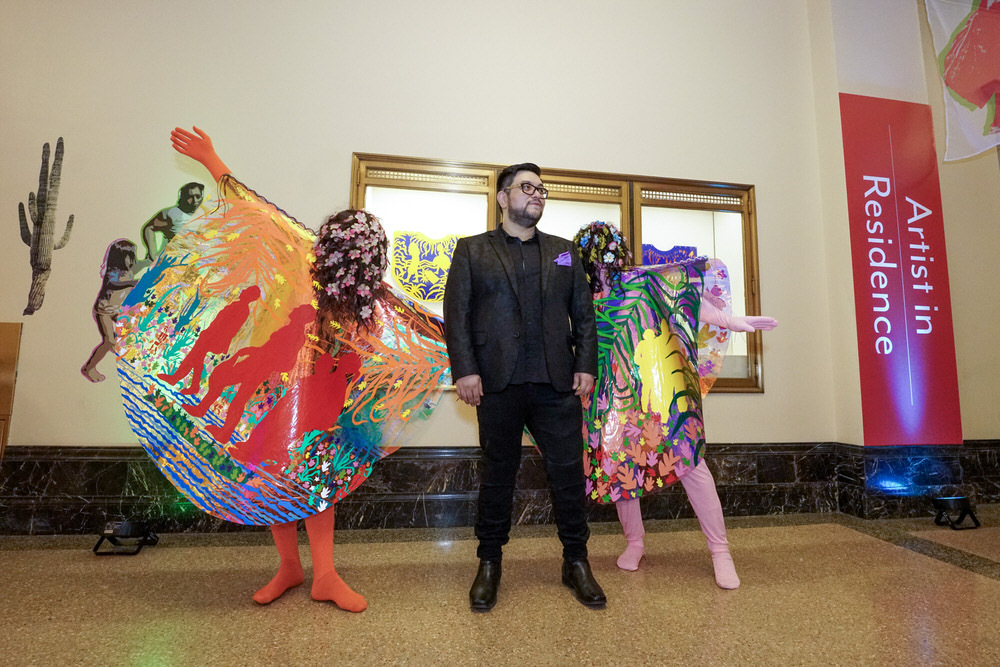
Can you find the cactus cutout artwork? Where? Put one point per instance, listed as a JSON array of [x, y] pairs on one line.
[[40, 237]]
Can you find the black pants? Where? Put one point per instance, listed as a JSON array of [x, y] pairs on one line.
[[555, 421]]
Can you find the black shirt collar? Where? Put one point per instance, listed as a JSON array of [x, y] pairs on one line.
[[512, 239]]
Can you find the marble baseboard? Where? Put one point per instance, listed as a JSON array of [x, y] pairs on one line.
[[77, 490]]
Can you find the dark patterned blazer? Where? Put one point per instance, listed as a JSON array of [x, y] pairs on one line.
[[482, 313]]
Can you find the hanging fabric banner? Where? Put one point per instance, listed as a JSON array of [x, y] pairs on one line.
[[906, 345], [966, 37]]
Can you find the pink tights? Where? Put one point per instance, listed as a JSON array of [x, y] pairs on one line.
[[700, 488]]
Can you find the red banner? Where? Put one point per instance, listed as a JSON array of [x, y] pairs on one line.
[[906, 344]]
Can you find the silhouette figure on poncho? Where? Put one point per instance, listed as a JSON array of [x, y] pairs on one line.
[[249, 367], [216, 338], [313, 403]]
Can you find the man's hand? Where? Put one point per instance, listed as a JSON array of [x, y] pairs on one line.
[[470, 389], [583, 383]]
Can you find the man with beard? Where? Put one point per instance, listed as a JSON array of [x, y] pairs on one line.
[[169, 221], [519, 324]]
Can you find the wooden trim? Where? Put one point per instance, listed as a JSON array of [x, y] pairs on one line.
[[10, 344], [629, 192]]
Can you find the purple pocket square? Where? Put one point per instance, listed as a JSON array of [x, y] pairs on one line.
[[564, 259]]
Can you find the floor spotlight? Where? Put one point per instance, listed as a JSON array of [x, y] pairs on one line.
[[127, 538], [948, 505]]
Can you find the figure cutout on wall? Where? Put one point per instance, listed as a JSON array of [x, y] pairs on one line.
[[158, 230], [155, 234], [40, 238], [116, 282]]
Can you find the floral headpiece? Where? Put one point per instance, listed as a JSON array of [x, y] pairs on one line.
[[604, 253], [351, 258]]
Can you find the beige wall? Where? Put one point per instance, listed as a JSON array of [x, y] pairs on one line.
[[734, 91], [839, 340]]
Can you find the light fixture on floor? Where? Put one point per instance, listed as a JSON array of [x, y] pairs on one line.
[[947, 505], [127, 538]]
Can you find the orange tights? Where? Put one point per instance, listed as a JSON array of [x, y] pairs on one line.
[[327, 584]]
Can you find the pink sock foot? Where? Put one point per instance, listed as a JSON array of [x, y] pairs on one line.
[[332, 588], [725, 571], [629, 560], [285, 579]]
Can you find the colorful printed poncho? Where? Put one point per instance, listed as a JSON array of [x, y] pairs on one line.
[[253, 414], [643, 423]]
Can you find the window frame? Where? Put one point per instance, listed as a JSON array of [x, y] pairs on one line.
[[714, 196], [630, 192]]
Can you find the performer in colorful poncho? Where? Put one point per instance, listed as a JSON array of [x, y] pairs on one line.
[[662, 336], [266, 369]]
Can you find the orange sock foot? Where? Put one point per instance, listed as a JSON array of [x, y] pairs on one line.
[[285, 579], [331, 587]]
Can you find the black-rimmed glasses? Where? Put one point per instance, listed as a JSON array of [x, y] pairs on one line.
[[530, 189]]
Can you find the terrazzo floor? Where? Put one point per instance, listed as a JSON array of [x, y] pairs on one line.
[[817, 589]]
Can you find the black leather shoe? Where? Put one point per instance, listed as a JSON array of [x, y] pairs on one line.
[[577, 575], [483, 594]]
